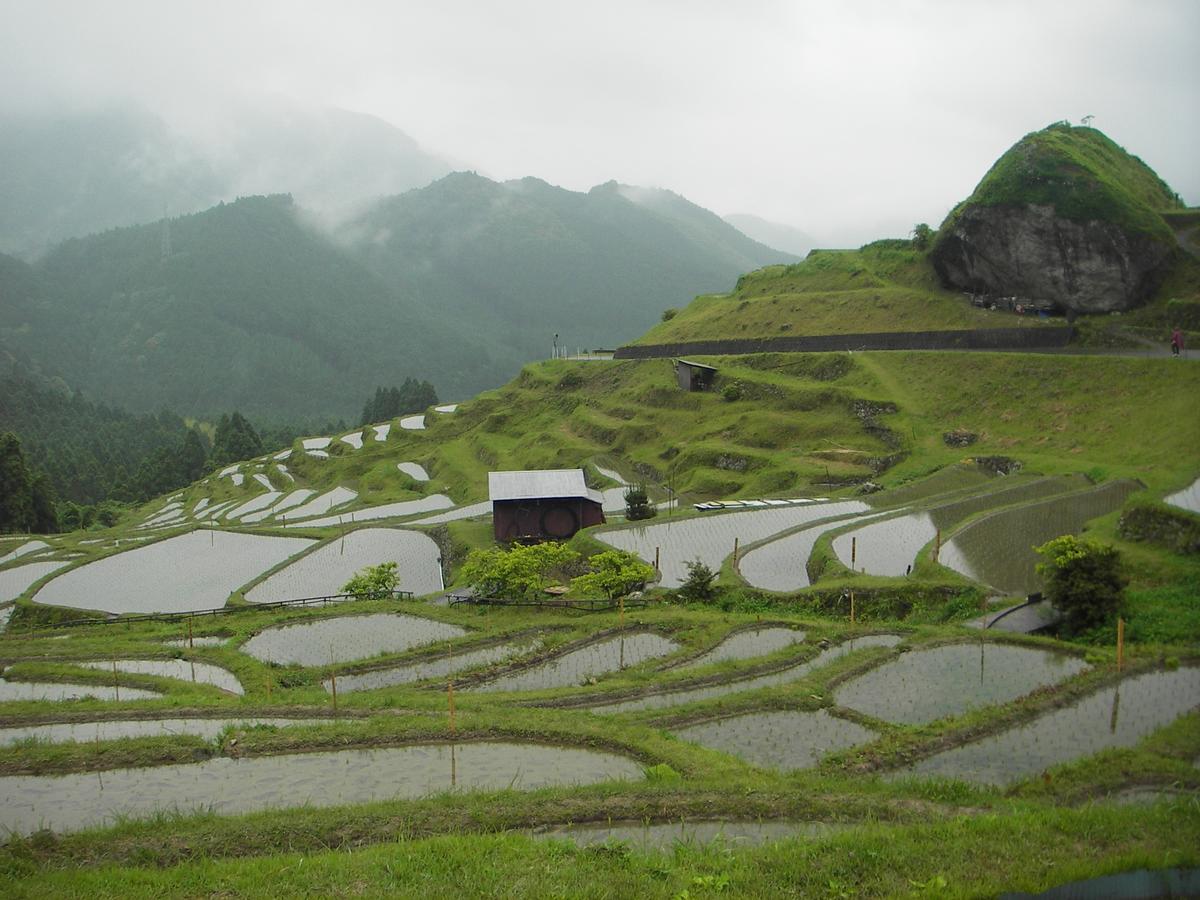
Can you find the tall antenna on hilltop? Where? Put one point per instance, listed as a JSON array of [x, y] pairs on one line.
[[1087, 121]]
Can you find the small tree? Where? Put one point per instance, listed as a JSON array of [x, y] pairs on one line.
[[698, 586], [922, 234], [519, 573], [637, 503], [373, 583], [1084, 581], [614, 573]]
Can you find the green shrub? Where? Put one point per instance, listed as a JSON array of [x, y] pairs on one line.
[[637, 503], [699, 585], [1084, 581], [373, 583]]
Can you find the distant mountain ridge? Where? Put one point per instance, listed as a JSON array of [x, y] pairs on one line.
[[250, 306]]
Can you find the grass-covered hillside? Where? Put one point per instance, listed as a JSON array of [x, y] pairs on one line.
[[885, 286], [1084, 175]]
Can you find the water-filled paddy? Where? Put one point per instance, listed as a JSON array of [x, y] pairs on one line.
[[23, 550], [667, 835], [664, 699], [779, 740], [316, 443], [1114, 717], [327, 568], [591, 661], [254, 504], [782, 564], [54, 690], [345, 638], [710, 537], [339, 496], [183, 669], [116, 729], [193, 571], [445, 664], [998, 549], [354, 439], [413, 470], [385, 511], [924, 685], [292, 499], [15, 582], [413, 423], [482, 508], [1188, 498], [889, 547], [749, 643], [227, 786], [382, 431], [196, 641]]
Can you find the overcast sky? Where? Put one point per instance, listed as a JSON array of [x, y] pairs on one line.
[[851, 120]]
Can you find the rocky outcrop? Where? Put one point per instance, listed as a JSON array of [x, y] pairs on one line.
[[1032, 253]]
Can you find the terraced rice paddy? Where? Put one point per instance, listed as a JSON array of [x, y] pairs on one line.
[[890, 547], [326, 569], [56, 690], [24, 550], [779, 740], [782, 564], [16, 581], [581, 665], [663, 699], [261, 502], [196, 642], [749, 643], [998, 549], [924, 685], [116, 729], [1188, 498], [182, 669], [316, 443], [667, 836], [290, 500], [227, 786], [445, 664], [263, 480], [354, 439], [483, 508], [710, 538], [448, 408], [332, 499], [382, 431], [413, 470], [1114, 717], [189, 572], [385, 511], [413, 423], [345, 638]]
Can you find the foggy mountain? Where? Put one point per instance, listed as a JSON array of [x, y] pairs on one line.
[[70, 174], [774, 234]]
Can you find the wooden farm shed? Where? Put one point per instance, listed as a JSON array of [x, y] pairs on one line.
[[694, 376], [542, 504]]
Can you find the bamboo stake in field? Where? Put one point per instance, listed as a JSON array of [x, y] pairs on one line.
[[1120, 644], [116, 683], [852, 607], [333, 679], [450, 700], [937, 545], [656, 559], [853, 552], [191, 643], [621, 611], [735, 552]]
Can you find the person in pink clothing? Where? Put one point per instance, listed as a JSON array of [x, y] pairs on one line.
[[1176, 342]]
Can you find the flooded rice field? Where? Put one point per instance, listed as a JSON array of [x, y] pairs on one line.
[[54, 690], [644, 836], [385, 511], [998, 549], [890, 547], [665, 699], [578, 666], [227, 786], [1115, 717], [354, 439], [1188, 498], [346, 638], [182, 669], [326, 569], [382, 431], [192, 571], [748, 643], [23, 550], [339, 496], [290, 500], [924, 685], [779, 740], [483, 508], [261, 502], [16, 581], [413, 423], [437, 667], [112, 730], [196, 641], [782, 564], [413, 470], [710, 537]]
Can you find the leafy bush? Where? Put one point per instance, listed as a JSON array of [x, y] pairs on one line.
[[732, 392], [637, 503], [374, 582], [1084, 581], [669, 314], [519, 573], [699, 585], [614, 573]]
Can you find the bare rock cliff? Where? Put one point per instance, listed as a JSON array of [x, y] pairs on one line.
[[1029, 251]]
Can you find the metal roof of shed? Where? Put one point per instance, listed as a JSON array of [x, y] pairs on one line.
[[536, 484]]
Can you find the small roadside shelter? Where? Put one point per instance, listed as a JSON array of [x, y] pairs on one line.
[[694, 376], [542, 504]]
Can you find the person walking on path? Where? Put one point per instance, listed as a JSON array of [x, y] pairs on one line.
[[1176, 342]]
